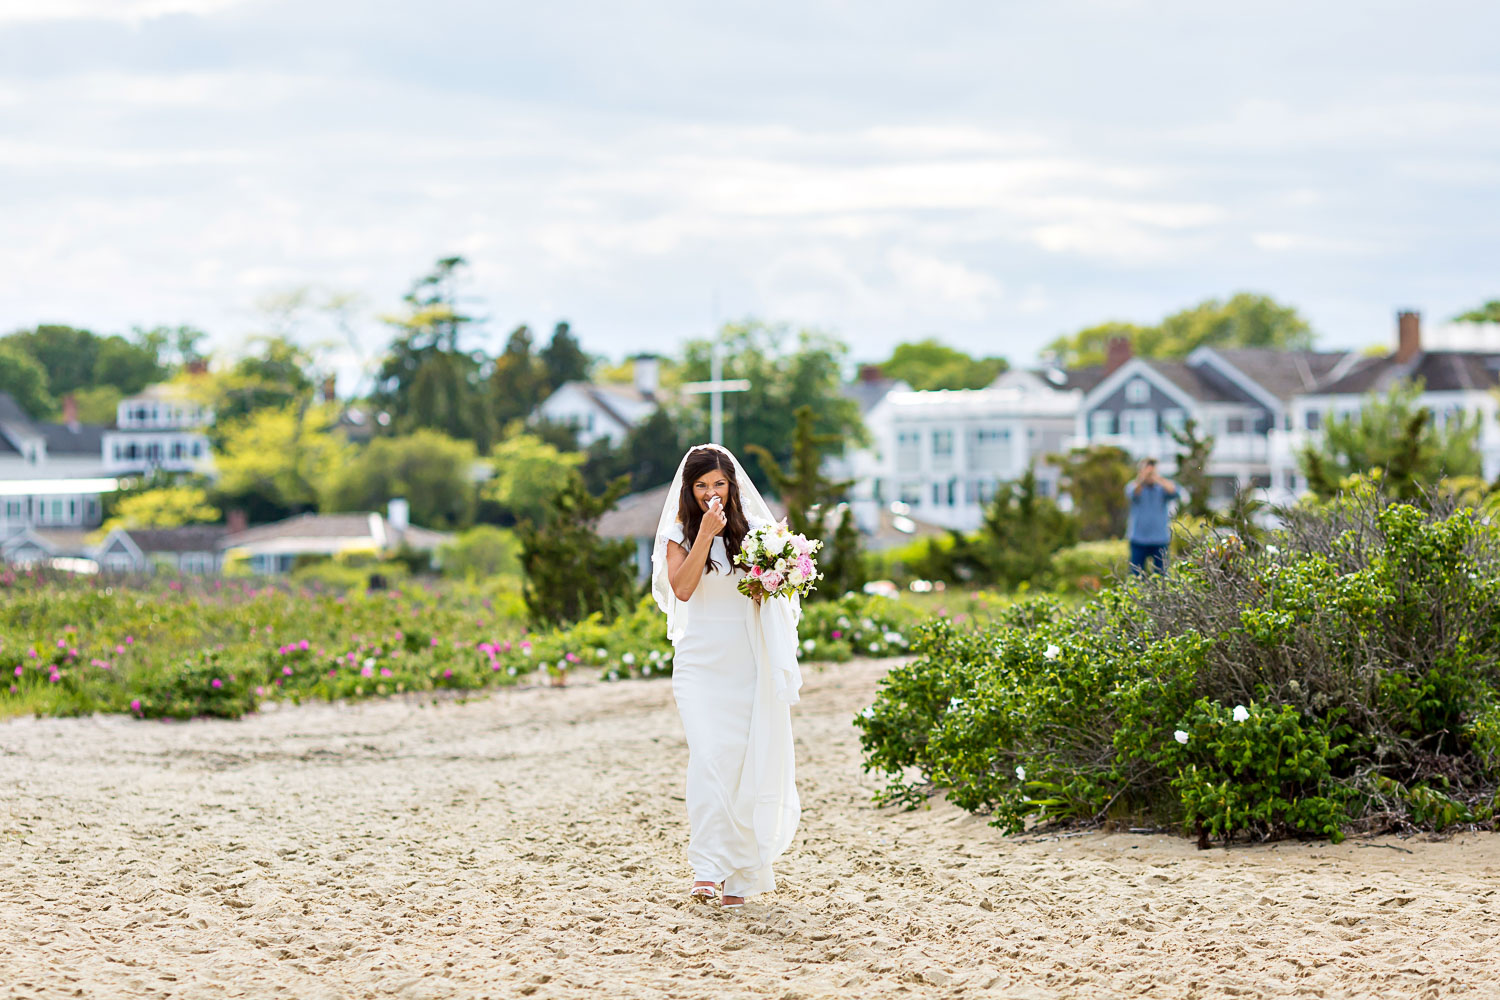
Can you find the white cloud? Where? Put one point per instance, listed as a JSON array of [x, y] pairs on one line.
[[107, 10]]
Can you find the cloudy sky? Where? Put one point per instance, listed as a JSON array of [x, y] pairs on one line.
[[993, 173]]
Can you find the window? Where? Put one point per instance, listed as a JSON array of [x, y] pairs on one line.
[[1314, 420], [1101, 423], [942, 444], [1173, 420], [1234, 425], [911, 493], [937, 494], [1137, 391], [1138, 423]]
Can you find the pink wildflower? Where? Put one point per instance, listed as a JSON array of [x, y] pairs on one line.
[[837, 634], [20, 671], [286, 671], [385, 671], [54, 677], [303, 644], [571, 658], [367, 672], [119, 648], [447, 673], [130, 640], [135, 704], [260, 689], [216, 683]]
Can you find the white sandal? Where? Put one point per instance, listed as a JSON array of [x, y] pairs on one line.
[[703, 894]]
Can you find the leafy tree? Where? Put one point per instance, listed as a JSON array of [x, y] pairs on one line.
[[426, 379], [77, 359], [1245, 320], [482, 552], [1396, 436], [98, 404], [432, 471], [563, 359], [1021, 531], [529, 472], [174, 346], [518, 382], [1095, 479], [843, 563], [23, 377], [163, 507], [806, 492], [931, 364], [277, 461], [571, 572], [1487, 313], [273, 376], [785, 372], [1192, 466], [126, 366]]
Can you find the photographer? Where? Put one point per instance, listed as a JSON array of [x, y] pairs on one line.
[[1149, 531]]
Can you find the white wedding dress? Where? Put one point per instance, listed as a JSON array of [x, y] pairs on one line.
[[729, 679]]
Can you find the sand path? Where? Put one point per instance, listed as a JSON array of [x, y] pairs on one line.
[[529, 843]]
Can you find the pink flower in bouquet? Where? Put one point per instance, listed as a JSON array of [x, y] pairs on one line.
[[805, 565], [756, 571], [771, 581]]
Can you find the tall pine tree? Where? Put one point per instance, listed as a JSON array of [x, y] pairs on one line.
[[570, 571]]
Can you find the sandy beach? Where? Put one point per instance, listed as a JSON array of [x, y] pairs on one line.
[[530, 843]]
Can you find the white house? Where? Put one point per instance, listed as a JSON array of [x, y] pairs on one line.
[[274, 548], [161, 428], [51, 475], [603, 410], [943, 453], [1459, 371]]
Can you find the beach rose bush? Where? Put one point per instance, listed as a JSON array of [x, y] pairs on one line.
[[1342, 674]]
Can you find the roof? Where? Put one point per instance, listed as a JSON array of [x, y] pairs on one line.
[[868, 392], [81, 439], [14, 419], [1440, 371], [637, 515], [303, 526], [1285, 374], [326, 527], [1063, 379], [188, 538], [1191, 381]]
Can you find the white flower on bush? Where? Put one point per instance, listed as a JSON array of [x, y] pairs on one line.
[[809, 645], [1020, 773], [655, 655], [868, 713], [1272, 550], [1240, 713], [1053, 651], [1180, 737], [954, 704], [369, 661], [894, 638], [628, 659]]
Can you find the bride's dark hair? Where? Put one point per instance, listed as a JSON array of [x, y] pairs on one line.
[[700, 462]]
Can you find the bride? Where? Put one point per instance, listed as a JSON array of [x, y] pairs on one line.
[[734, 676]]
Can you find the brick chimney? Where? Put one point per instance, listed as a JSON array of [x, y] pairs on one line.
[[70, 412], [1116, 354], [330, 389], [236, 521], [197, 366], [1408, 335], [870, 373]]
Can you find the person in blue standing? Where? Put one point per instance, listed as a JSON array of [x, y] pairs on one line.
[[1150, 530]]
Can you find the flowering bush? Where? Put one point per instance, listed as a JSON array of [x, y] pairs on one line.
[[1345, 675]]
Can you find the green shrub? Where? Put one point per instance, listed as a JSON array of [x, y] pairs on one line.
[[1089, 566], [1363, 641]]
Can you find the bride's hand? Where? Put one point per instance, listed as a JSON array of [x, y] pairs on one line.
[[713, 520]]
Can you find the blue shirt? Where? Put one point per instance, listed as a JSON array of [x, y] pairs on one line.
[[1148, 514]]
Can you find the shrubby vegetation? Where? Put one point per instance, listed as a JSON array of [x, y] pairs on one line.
[[1344, 676]]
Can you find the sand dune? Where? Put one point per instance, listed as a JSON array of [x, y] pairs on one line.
[[530, 843]]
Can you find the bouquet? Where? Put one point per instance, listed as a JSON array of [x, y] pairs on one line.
[[779, 562]]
